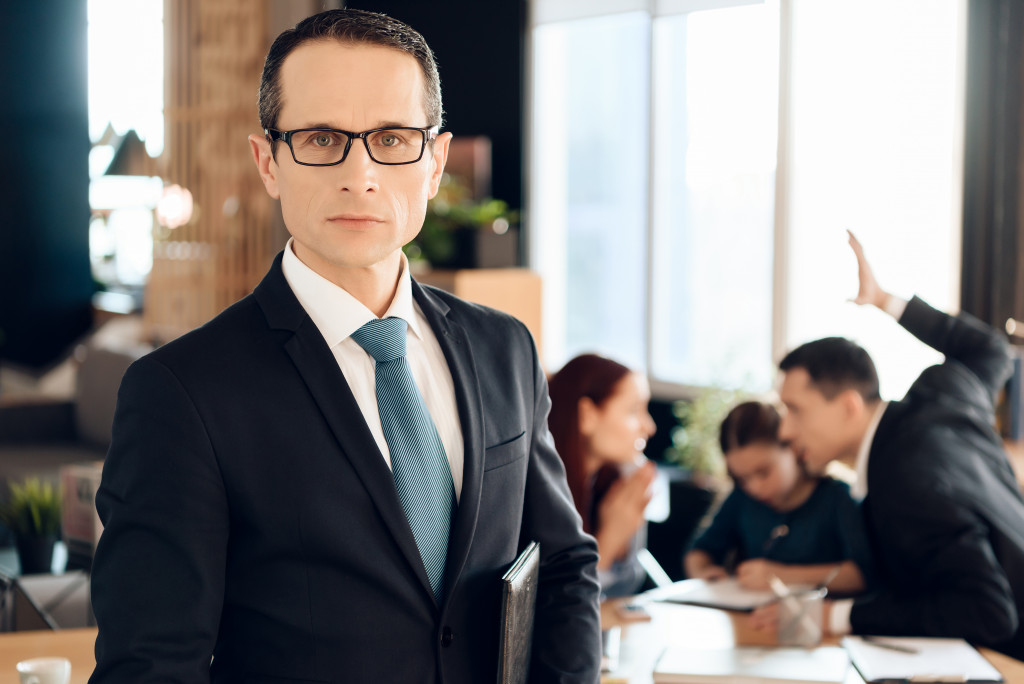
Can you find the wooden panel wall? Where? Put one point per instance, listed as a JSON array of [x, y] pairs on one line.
[[214, 53]]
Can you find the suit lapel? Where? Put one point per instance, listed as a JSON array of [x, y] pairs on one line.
[[319, 370], [459, 355]]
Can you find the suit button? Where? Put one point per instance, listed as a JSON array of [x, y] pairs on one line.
[[447, 637]]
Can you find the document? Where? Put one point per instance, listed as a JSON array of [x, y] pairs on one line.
[[748, 665], [919, 659], [726, 594], [518, 605]]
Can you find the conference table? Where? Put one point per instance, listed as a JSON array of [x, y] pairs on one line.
[[643, 640], [74, 644]]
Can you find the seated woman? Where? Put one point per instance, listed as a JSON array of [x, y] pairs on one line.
[[779, 520], [600, 424]]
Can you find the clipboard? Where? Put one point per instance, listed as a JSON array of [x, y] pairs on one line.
[[725, 594], [918, 659], [518, 605]]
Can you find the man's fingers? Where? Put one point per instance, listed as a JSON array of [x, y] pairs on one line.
[[854, 242], [765, 617]]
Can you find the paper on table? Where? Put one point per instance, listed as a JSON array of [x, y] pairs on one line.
[[745, 665], [725, 593], [935, 660]]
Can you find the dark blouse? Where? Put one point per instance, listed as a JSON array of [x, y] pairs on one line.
[[827, 528]]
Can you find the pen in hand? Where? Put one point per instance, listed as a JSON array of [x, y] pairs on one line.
[[829, 577]]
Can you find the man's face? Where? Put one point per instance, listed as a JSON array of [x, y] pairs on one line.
[[357, 214], [815, 427]]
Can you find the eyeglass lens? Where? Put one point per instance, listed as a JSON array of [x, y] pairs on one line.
[[390, 146]]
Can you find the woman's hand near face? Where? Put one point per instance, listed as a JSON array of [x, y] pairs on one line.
[[621, 513]]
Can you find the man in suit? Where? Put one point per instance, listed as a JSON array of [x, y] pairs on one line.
[[251, 499], [944, 511]]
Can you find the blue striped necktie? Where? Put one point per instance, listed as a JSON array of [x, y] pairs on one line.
[[422, 475]]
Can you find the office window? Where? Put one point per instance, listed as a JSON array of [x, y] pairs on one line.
[[875, 139], [715, 114], [126, 122], [742, 221], [590, 161]]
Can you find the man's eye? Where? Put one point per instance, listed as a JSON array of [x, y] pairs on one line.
[[389, 140], [323, 140]]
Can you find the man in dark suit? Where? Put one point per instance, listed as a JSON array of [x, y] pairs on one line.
[[943, 508], [255, 530]]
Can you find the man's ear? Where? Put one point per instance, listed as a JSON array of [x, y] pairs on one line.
[[439, 158], [853, 403], [265, 164]]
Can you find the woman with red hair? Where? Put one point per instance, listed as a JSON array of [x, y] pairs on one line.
[[600, 424]]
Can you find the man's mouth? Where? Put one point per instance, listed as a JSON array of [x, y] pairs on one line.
[[356, 221]]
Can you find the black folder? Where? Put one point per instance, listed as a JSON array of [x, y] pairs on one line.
[[518, 604]]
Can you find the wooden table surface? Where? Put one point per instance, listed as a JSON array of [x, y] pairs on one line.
[[642, 642], [74, 644]]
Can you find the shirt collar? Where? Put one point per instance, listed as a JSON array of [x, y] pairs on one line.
[[336, 313], [860, 486]]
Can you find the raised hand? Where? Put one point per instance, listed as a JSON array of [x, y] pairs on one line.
[[869, 291]]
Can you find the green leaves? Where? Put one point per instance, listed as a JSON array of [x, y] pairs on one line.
[[34, 508], [695, 440], [452, 209]]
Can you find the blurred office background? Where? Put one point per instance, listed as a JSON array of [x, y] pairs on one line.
[[678, 175]]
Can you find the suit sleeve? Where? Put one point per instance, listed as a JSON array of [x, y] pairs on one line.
[[567, 625], [962, 338], [953, 584], [158, 574], [852, 531]]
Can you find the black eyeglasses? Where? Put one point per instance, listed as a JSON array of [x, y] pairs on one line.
[[330, 146]]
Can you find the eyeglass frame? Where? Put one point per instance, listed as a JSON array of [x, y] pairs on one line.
[[429, 134]]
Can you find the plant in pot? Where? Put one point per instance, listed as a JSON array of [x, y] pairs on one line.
[[695, 446], [33, 514], [697, 482], [451, 224]]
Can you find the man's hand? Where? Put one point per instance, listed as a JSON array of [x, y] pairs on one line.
[[766, 618], [869, 291], [756, 573]]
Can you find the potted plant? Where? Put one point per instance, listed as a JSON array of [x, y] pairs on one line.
[[698, 480], [33, 515], [451, 225]]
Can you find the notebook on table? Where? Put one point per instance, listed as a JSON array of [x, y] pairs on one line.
[[750, 665], [726, 594], [518, 605], [920, 659]]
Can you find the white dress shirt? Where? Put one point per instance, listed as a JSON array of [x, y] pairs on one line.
[[337, 314], [839, 619]]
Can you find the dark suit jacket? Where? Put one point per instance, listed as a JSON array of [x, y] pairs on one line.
[[944, 510], [250, 516]]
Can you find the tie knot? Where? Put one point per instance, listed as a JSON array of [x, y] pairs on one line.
[[383, 338]]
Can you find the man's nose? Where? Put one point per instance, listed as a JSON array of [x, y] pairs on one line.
[[358, 173], [786, 429]]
